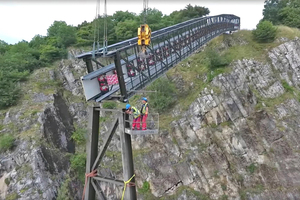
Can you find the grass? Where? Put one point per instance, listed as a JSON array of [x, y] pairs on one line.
[[145, 188], [12, 196], [251, 168], [30, 133], [257, 189], [287, 32], [6, 142]]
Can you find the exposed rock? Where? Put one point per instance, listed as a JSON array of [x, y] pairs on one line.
[[221, 147]]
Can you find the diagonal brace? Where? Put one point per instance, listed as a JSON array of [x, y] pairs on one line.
[[97, 62], [109, 180], [106, 143]]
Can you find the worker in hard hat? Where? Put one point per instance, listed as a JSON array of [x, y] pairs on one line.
[[136, 116], [144, 113]]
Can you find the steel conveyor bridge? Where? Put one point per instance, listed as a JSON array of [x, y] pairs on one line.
[[168, 47]]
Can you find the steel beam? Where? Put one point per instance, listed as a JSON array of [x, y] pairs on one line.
[[92, 149], [89, 65], [127, 159], [109, 180], [117, 60]]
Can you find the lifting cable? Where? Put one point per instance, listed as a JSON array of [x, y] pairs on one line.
[[105, 29], [145, 5], [96, 29]]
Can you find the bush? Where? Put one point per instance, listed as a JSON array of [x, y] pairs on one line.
[[6, 142], [264, 32], [78, 165], [287, 87], [79, 135], [165, 96], [145, 188], [215, 59]]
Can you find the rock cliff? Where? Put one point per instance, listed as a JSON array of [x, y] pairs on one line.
[[238, 139]]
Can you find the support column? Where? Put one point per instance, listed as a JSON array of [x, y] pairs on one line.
[[127, 159], [92, 149], [89, 65]]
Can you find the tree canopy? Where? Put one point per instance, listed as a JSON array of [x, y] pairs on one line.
[[286, 12]]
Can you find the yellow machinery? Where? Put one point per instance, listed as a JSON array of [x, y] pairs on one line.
[[144, 31], [144, 36]]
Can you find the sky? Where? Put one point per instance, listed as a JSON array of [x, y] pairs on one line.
[[23, 19]]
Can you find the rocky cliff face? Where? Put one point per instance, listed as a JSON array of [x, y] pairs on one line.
[[42, 125], [239, 139]]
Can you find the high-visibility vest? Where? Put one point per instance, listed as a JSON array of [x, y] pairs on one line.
[[144, 108], [136, 113]]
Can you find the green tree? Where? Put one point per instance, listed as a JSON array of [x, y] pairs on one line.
[[65, 34], [9, 93], [127, 29], [290, 16], [271, 10], [286, 12], [3, 47], [264, 32], [37, 41], [51, 53], [121, 16]]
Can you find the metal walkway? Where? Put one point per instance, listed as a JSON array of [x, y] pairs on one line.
[[169, 46]]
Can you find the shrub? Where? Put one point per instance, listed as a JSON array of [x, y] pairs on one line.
[[165, 96], [145, 188], [287, 87], [79, 135], [264, 32], [215, 59], [252, 168], [6, 142], [78, 165]]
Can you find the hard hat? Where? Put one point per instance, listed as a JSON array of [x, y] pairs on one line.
[[127, 106], [144, 98]]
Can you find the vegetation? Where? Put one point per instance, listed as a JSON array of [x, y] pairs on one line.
[[252, 168], [165, 96], [79, 135], [63, 192], [6, 142], [109, 105], [265, 32], [145, 188], [215, 59], [282, 12], [78, 165], [12, 196]]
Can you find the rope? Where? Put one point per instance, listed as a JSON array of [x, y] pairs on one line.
[[92, 174], [130, 184]]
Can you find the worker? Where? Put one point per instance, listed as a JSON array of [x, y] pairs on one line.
[[144, 113], [136, 116]]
